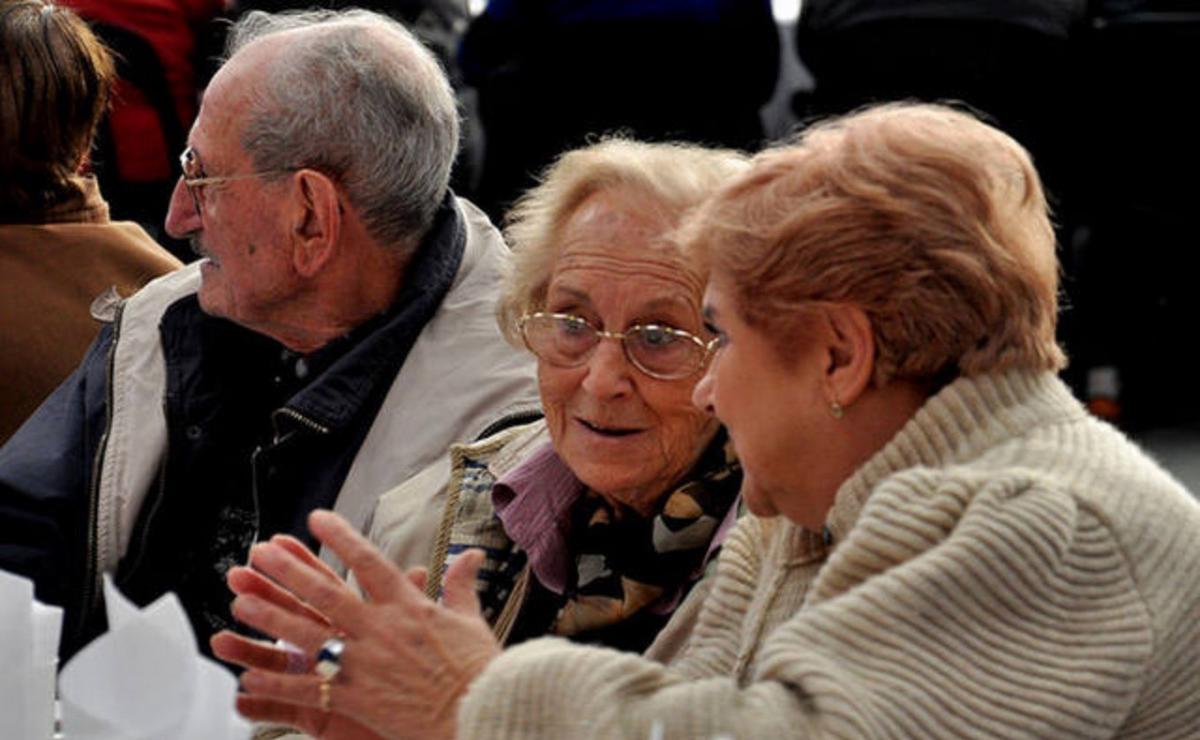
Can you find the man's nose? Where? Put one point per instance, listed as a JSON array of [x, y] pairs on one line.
[[182, 216]]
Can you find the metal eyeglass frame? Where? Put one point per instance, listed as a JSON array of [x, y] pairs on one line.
[[189, 161], [706, 348]]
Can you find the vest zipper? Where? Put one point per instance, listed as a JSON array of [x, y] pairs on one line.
[[298, 417], [277, 439], [154, 504], [91, 576]]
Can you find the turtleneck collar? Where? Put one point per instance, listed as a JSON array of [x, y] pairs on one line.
[[959, 423]]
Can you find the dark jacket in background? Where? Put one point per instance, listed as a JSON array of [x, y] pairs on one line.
[[552, 74]]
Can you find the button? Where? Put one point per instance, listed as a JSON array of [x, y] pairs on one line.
[[193, 432]]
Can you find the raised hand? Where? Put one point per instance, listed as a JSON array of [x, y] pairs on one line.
[[407, 660]]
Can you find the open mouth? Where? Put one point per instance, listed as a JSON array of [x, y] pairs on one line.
[[608, 431]]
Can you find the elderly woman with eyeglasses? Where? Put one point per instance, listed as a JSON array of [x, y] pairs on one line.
[[945, 543], [599, 519]]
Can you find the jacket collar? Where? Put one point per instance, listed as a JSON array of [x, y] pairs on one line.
[[377, 349]]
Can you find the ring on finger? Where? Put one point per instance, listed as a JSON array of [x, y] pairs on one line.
[[326, 689], [328, 661]]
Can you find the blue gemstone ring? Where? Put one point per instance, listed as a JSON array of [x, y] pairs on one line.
[[329, 658]]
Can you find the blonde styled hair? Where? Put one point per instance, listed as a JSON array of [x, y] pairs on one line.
[[673, 177], [932, 222]]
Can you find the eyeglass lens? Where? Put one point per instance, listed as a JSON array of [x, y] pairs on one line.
[[192, 170], [656, 350]]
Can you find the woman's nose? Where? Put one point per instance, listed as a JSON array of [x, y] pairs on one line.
[[702, 393], [608, 370]]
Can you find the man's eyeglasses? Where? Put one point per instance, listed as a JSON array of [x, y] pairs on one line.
[[195, 179], [660, 351]]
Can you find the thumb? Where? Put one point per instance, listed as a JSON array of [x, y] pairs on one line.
[[418, 576], [459, 593]]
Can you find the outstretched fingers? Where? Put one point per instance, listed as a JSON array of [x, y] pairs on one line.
[[305, 555], [256, 654], [331, 598], [418, 576], [247, 581], [269, 619], [311, 721], [273, 711], [382, 581]]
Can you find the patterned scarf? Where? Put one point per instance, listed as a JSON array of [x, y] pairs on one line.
[[627, 570], [625, 563]]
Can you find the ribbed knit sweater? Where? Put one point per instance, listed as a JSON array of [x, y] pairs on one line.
[[1006, 566]]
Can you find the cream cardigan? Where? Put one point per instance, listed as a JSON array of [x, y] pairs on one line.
[[1005, 566]]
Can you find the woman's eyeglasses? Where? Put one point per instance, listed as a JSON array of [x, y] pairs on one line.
[[660, 351]]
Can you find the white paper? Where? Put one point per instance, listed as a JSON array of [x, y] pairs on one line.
[[47, 629], [144, 679], [29, 634]]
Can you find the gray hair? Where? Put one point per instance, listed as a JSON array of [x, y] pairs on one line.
[[363, 102], [671, 176]]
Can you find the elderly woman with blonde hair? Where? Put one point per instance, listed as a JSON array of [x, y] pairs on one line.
[[944, 544]]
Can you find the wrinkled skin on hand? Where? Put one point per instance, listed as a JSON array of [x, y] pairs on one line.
[[407, 660]]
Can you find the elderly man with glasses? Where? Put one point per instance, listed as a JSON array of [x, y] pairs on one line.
[[337, 337]]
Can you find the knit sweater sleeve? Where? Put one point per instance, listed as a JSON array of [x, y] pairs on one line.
[[956, 608], [712, 645]]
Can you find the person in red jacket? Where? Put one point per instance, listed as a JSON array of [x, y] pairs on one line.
[[157, 44]]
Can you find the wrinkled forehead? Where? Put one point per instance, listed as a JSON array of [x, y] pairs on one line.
[[626, 237], [228, 101]]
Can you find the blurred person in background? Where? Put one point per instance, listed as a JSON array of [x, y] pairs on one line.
[[549, 75], [1014, 62], [58, 249], [159, 47]]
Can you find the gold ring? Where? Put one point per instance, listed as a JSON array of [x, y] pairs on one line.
[[326, 695]]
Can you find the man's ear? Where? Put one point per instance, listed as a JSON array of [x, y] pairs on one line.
[[850, 345], [316, 221]]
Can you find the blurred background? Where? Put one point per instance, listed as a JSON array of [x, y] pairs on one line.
[[1096, 90]]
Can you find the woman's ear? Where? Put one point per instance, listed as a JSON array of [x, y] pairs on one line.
[[316, 221], [851, 353]]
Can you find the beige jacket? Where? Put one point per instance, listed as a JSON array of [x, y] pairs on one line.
[[459, 376]]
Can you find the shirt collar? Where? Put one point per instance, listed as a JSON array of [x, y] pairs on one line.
[[533, 502]]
